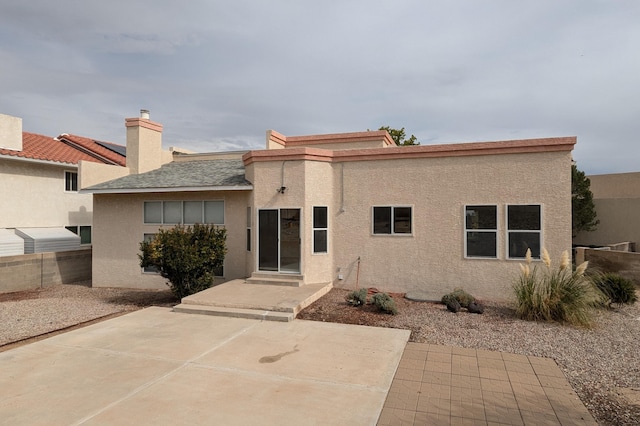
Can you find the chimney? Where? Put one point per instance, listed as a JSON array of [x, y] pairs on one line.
[[10, 132], [144, 143]]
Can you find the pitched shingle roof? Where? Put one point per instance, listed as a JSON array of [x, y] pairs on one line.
[[202, 175], [60, 150]]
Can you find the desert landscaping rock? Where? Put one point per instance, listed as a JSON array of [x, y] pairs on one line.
[[419, 296], [475, 307], [27, 314]]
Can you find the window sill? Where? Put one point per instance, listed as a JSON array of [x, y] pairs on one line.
[[393, 235], [481, 258]]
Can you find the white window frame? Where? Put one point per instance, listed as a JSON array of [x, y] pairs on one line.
[[182, 222], [516, 231], [467, 230], [77, 229], [314, 229], [392, 233], [71, 181], [248, 235]]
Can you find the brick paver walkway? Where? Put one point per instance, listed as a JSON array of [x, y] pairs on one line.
[[444, 385]]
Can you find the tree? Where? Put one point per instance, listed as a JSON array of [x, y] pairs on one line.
[[583, 211], [399, 136], [186, 256]]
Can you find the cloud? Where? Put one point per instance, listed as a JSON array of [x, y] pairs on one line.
[[218, 74]]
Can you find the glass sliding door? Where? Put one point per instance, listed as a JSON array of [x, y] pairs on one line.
[[279, 240], [290, 240], [268, 240]]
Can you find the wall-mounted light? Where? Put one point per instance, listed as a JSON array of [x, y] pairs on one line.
[[282, 189]]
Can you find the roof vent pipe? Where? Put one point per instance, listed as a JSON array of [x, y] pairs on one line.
[[144, 113]]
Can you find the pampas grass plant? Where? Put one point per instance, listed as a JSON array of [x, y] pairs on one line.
[[547, 293]]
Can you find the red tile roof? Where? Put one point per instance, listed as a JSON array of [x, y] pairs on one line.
[[68, 149], [94, 147]]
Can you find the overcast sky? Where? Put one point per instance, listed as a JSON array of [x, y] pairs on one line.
[[218, 74]]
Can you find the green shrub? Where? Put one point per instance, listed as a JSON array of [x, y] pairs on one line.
[[186, 256], [558, 294], [463, 297], [358, 297], [385, 303], [615, 288]]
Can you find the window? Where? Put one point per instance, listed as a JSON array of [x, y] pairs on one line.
[[172, 212], [83, 231], [192, 212], [214, 212], [392, 220], [71, 181], [320, 227], [481, 231], [219, 272], [185, 212], [248, 228], [153, 212], [150, 269], [524, 230]]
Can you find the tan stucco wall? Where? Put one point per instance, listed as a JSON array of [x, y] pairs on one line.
[[33, 195], [308, 184], [617, 201], [432, 259], [618, 185], [90, 173], [119, 228], [438, 189], [144, 145], [10, 132]]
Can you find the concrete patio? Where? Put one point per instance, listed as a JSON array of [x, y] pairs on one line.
[[156, 366]]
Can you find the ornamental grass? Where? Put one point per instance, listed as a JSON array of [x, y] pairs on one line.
[[547, 293]]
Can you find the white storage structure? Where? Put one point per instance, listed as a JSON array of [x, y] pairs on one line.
[[39, 240], [10, 243]]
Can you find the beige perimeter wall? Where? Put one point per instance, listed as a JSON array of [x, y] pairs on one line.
[[40, 270]]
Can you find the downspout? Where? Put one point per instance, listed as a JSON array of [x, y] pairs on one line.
[[282, 187]]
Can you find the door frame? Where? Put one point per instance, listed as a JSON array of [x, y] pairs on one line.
[[279, 234]]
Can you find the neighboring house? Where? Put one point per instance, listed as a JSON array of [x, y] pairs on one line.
[[352, 209], [39, 178], [617, 202]]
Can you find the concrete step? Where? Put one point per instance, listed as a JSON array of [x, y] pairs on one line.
[[261, 301], [276, 279], [234, 312]]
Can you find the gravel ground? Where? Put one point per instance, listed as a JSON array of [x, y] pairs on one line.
[[28, 314], [602, 363]]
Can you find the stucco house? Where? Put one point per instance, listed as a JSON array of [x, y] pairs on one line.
[[39, 176], [617, 201], [351, 209]]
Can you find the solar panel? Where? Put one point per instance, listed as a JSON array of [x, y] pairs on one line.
[[118, 149]]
